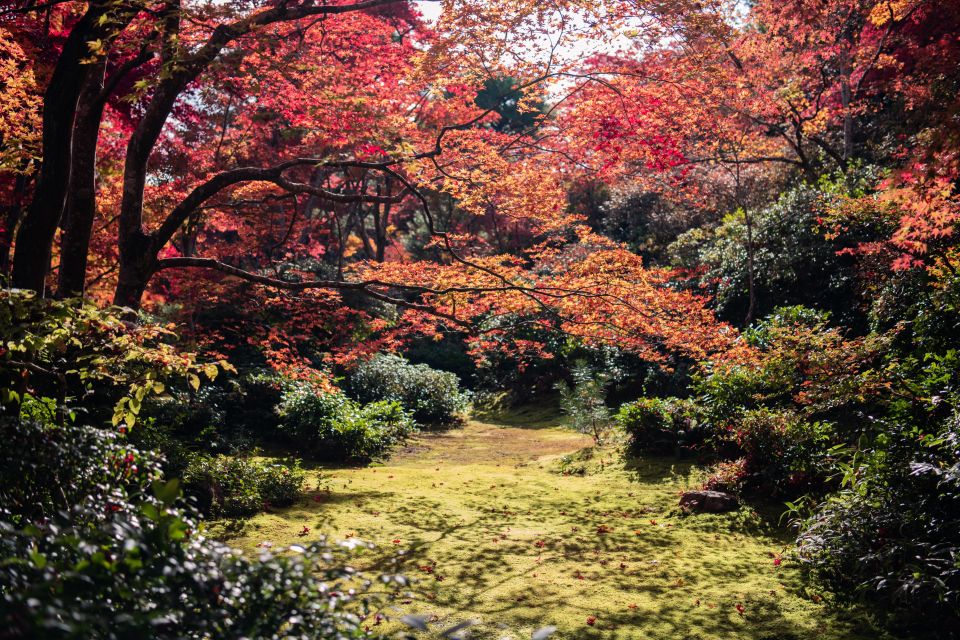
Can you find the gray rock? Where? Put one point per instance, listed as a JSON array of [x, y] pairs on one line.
[[708, 501]]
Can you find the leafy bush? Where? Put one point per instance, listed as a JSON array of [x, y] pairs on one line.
[[110, 553], [664, 425], [68, 351], [182, 425], [261, 392], [175, 449], [281, 484], [46, 470], [727, 475], [794, 260], [783, 454], [803, 364], [448, 354], [891, 540], [234, 487], [223, 418], [433, 397], [331, 426]]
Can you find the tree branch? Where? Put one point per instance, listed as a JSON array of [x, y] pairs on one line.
[[366, 287]]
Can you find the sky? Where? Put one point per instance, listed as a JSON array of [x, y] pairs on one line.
[[430, 10]]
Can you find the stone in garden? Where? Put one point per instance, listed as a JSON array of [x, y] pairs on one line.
[[708, 501]]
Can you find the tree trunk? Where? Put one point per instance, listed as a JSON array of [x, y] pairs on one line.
[[11, 217], [138, 263], [81, 204], [751, 283], [31, 260]]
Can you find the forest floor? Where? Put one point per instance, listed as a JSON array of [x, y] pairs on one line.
[[495, 524]]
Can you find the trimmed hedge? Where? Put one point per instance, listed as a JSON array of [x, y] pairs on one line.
[[331, 426], [431, 396], [664, 425]]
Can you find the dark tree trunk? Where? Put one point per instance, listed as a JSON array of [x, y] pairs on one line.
[[381, 222], [845, 98], [11, 217], [751, 279], [31, 260], [81, 205], [138, 263]]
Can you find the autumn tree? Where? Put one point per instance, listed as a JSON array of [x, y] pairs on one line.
[[250, 140], [785, 91]]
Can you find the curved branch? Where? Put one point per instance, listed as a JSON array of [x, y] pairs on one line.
[[273, 174], [367, 287]]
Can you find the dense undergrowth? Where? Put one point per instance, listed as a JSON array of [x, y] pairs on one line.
[[811, 432], [101, 538], [857, 437]]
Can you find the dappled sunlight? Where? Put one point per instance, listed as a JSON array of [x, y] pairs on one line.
[[491, 529]]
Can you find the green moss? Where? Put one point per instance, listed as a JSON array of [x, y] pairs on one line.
[[494, 533]]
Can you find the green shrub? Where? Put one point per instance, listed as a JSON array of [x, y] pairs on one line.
[[260, 393], [803, 365], [433, 397], [890, 541], [88, 362], [664, 425], [331, 426], [93, 546], [585, 402], [726, 392], [794, 261], [782, 453], [281, 484], [232, 487], [175, 450], [205, 420], [229, 418], [47, 469]]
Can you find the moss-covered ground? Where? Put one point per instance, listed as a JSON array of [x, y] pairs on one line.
[[497, 525]]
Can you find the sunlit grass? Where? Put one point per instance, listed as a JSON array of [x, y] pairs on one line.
[[493, 531]]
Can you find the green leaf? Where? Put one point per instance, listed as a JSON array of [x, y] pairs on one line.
[[150, 511], [166, 492]]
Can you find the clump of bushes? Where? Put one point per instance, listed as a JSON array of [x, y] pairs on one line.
[[664, 425], [47, 470], [784, 455], [859, 436], [235, 487], [431, 396], [71, 360], [332, 426], [261, 392], [890, 540], [93, 545], [764, 451], [771, 425]]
